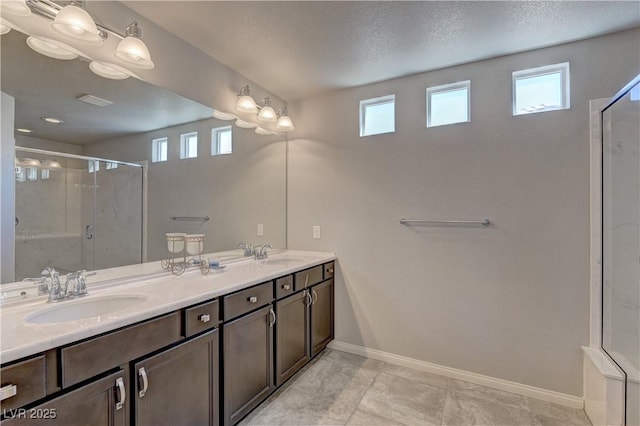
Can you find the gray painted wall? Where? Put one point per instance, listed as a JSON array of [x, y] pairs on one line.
[[510, 301]]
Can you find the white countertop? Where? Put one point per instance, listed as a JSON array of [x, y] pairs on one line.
[[163, 291]]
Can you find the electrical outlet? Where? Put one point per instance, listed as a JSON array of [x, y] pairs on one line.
[[316, 232], [260, 230]]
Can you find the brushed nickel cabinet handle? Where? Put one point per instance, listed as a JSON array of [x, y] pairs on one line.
[[273, 315], [122, 393], [204, 318], [330, 270], [315, 297], [308, 298], [252, 299], [8, 391], [286, 287], [142, 373], [306, 281]]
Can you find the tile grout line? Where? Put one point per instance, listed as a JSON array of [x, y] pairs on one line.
[[363, 394]]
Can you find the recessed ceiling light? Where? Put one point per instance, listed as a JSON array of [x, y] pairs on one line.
[[52, 48], [109, 70], [94, 100], [21, 130], [52, 120]]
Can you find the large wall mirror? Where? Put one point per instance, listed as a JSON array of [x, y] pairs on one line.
[[232, 191]]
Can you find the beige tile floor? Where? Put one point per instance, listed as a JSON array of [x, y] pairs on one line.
[[338, 388]]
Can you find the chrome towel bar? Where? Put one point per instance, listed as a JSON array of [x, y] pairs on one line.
[[190, 218], [483, 222]]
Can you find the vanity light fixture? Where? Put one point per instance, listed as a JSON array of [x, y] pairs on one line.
[[267, 112], [245, 102], [109, 70], [223, 115], [4, 28], [284, 123], [52, 48], [15, 7], [52, 120], [74, 22], [259, 130], [245, 124], [132, 49]]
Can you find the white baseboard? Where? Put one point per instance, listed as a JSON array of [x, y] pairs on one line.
[[492, 382]]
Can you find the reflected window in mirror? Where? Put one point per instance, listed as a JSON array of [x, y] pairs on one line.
[[110, 165], [159, 149], [189, 145], [221, 140], [93, 166]]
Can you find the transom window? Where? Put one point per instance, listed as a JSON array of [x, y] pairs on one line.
[[448, 104], [541, 89], [189, 145], [378, 116], [159, 148], [221, 140]]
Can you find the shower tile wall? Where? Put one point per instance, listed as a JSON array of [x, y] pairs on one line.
[[49, 229]]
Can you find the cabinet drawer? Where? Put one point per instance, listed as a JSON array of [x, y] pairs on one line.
[[240, 303], [201, 317], [23, 383], [84, 360], [284, 286], [329, 269], [308, 277]]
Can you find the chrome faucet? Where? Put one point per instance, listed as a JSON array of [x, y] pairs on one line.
[[43, 285], [78, 282], [261, 252], [248, 250]]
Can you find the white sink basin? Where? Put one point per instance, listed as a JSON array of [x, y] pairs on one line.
[[89, 307]]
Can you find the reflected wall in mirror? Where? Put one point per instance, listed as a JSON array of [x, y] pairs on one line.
[[238, 190]]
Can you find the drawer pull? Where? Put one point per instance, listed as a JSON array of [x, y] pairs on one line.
[[122, 393], [286, 287], [204, 318], [253, 299], [273, 315], [142, 373], [8, 391], [330, 270]]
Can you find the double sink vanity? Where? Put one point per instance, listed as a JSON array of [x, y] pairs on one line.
[[145, 347]]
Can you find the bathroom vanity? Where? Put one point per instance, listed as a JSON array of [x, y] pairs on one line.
[[178, 350]]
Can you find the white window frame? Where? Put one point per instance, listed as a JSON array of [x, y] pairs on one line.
[[450, 87], [110, 165], [184, 139], [93, 166], [373, 102], [215, 140], [155, 151], [565, 72]]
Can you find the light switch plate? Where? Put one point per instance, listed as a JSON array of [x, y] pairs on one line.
[[260, 230], [316, 232]]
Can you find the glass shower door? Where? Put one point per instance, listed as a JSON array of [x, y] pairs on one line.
[[621, 242]]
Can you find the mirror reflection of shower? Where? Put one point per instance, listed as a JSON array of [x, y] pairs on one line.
[[75, 212]]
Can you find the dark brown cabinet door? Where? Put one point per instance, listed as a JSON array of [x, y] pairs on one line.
[[321, 316], [248, 363], [291, 336], [179, 386], [100, 403]]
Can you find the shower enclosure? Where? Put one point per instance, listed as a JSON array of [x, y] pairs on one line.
[[75, 212], [621, 240]]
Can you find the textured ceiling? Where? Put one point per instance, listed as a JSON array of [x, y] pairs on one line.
[[295, 49]]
